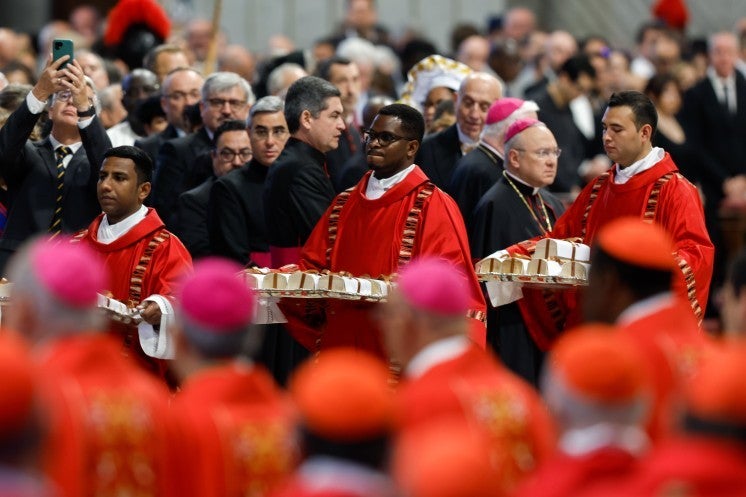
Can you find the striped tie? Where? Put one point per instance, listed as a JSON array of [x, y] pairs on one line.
[[56, 226]]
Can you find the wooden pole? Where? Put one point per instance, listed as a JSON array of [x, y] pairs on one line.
[[211, 61]]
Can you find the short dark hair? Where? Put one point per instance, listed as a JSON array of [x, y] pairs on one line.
[[231, 125], [324, 68], [308, 93], [658, 83], [411, 119], [143, 162], [149, 109], [642, 107], [642, 282], [577, 65]]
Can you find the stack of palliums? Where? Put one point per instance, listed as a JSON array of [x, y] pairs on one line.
[[554, 263], [310, 284]]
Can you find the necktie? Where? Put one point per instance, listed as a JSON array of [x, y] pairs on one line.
[[726, 102], [60, 153]]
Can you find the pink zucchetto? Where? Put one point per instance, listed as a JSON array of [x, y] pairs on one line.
[[520, 126], [503, 108], [72, 273], [435, 286], [215, 298]]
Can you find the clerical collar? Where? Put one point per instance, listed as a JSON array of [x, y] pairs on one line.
[[492, 149], [108, 233], [464, 139], [581, 441], [524, 187], [377, 187], [645, 307], [436, 353], [625, 174]]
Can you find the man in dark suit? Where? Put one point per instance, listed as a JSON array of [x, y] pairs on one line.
[[439, 153], [181, 87], [232, 150], [714, 118], [235, 215], [345, 75], [52, 183], [184, 163]]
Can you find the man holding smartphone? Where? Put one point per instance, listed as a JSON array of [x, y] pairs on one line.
[[52, 182]]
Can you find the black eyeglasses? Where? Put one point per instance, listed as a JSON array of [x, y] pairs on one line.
[[228, 155], [384, 137], [219, 103]]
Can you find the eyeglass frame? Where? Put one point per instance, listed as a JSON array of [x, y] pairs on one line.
[[370, 135], [542, 153], [222, 153], [58, 96]]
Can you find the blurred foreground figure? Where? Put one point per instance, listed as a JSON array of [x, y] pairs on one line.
[[447, 376], [346, 413], [109, 429], [235, 417], [599, 395]]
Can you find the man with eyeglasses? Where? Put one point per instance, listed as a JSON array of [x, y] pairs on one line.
[[231, 151], [515, 208], [235, 216], [392, 216], [184, 163], [181, 87], [643, 182], [52, 183]]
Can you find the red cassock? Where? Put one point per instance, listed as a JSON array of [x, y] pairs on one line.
[[478, 388], [162, 260], [376, 238], [238, 438], [110, 432], [669, 339], [659, 194], [564, 475], [691, 466]]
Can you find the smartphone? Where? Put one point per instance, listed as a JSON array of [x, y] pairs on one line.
[[60, 48]]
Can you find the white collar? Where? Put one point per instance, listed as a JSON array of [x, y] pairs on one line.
[[464, 139], [73, 147], [492, 149], [108, 233], [623, 175], [580, 441], [645, 307], [519, 180], [377, 187], [436, 353], [718, 81]]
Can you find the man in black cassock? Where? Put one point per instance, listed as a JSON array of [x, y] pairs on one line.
[[516, 208]]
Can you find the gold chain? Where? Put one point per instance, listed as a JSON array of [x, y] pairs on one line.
[[525, 202]]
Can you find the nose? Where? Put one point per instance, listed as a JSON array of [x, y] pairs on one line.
[[341, 124]]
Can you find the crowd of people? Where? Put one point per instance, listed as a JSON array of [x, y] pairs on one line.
[[160, 161]]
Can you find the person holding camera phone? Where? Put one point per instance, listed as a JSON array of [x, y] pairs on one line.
[[52, 182]]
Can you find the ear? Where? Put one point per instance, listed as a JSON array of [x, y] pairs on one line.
[[513, 158], [412, 147], [143, 191], [305, 119], [646, 132]]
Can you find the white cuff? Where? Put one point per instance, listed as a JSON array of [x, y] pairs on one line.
[[84, 123], [503, 292], [154, 343], [267, 311], [35, 105]]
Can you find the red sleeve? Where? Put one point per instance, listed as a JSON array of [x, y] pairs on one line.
[[313, 254], [443, 235], [171, 261], [682, 216]]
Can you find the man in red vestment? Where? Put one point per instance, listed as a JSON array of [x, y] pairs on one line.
[[234, 416], [644, 182], [392, 216], [346, 420], [447, 376], [143, 259], [630, 285], [599, 396], [110, 432]]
